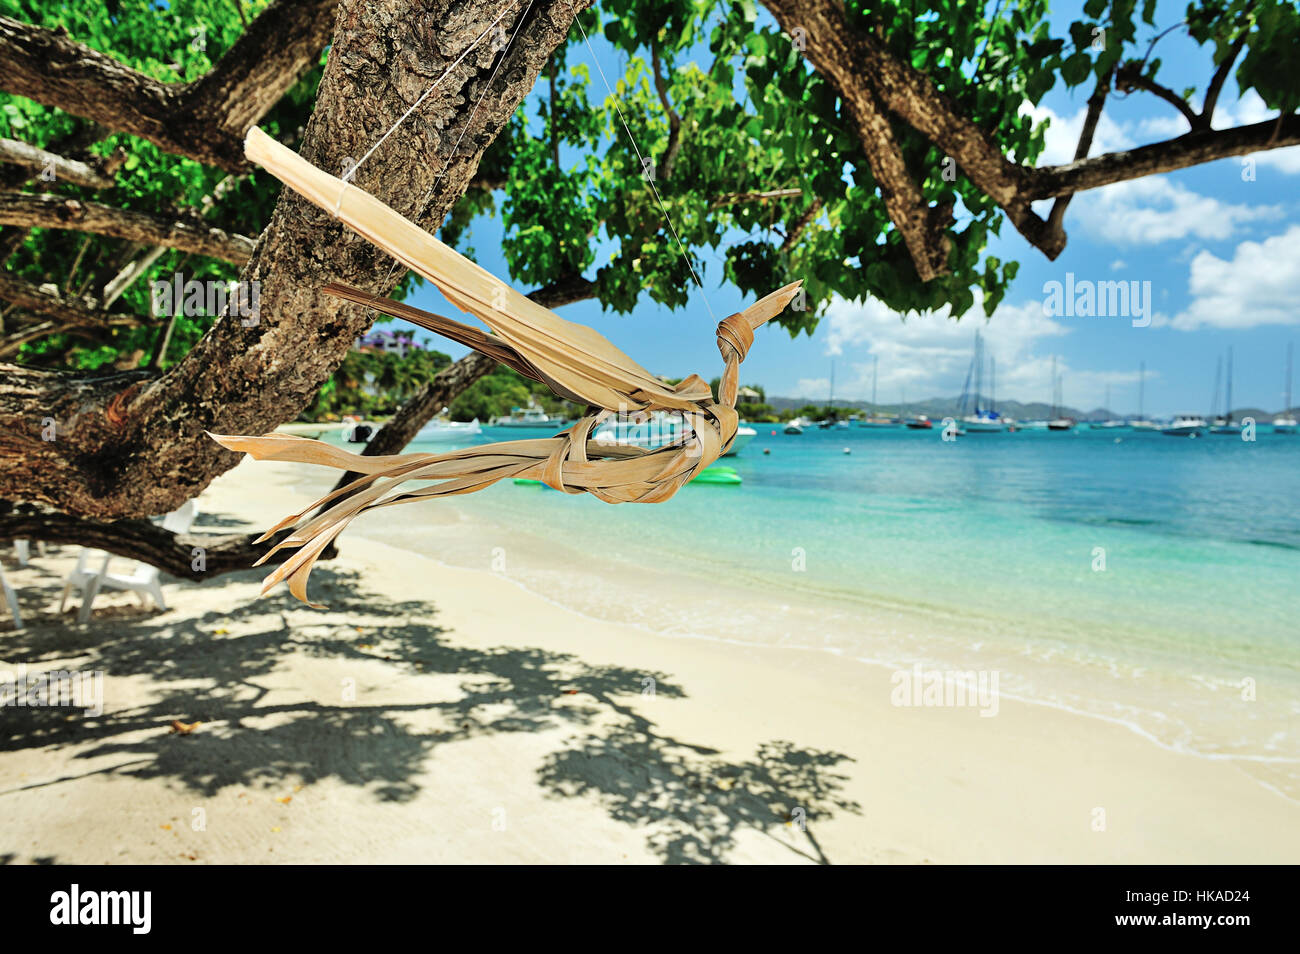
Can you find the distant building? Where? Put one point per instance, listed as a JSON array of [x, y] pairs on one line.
[[400, 343], [748, 396]]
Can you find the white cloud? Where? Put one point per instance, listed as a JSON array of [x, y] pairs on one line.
[[1062, 136], [1259, 286], [1153, 209], [815, 389], [928, 354], [1118, 265], [1251, 109]]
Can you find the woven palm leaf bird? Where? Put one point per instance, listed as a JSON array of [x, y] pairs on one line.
[[574, 361]]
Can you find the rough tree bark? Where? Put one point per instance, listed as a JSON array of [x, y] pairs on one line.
[[132, 446]]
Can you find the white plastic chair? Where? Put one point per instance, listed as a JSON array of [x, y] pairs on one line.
[[23, 550], [10, 600], [143, 579]]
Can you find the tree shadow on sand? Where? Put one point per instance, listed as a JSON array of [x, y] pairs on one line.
[[215, 669]]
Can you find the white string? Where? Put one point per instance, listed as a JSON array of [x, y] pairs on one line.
[[425, 94], [653, 188], [486, 89]]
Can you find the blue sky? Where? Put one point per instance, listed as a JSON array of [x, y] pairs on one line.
[[1221, 253]]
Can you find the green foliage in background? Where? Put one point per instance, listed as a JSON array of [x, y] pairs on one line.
[[498, 393], [374, 383], [756, 117], [172, 43]]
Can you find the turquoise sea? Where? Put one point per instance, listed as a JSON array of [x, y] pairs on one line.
[[1145, 579]]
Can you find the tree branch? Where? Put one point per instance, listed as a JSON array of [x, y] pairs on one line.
[[204, 120], [69, 170], [674, 121], [187, 233], [1129, 77], [801, 223], [871, 80], [80, 311], [927, 241], [735, 198], [140, 539], [1096, 102], [1220, 76], [1187, 150]]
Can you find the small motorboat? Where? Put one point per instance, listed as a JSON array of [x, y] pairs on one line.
[[982, 424], [530, 417], [920, 423], [794, 427], [1060, 424], [1184, 425], [743, 436], [442, 429]]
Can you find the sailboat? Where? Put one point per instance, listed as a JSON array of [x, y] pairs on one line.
[[1284, 423], [1058, 423], [876, 419], [983, 420], [1224, 424], [1140, 423], [1110, 424]]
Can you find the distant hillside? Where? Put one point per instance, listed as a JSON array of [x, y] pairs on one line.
[[940, 408]]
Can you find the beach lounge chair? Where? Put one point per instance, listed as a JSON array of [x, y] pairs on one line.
[[143, 579], [10, 600]]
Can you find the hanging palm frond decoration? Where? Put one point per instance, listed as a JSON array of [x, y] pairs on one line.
[[574, 361]]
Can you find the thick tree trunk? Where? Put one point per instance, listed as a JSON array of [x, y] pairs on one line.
[[133, 447]]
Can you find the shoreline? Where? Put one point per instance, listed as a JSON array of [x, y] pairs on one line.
[[478, 704], [1279, 774]]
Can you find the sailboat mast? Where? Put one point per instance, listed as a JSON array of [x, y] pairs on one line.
[[1288, 377], [1218, 378], [1142, 386], [1227, 400], [1056, 391], [993, 385]]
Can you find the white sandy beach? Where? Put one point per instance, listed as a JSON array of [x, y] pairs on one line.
[[437, 714]]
